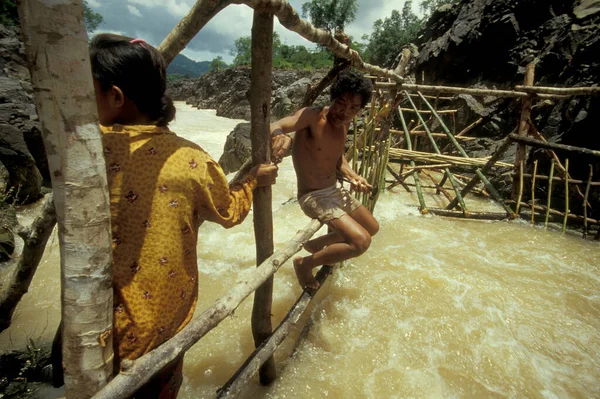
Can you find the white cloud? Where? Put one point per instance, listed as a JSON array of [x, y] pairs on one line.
[[173, 7], [133, 10], [93, 3]]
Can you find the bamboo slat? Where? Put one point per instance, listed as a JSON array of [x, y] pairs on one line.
[[549, 193]]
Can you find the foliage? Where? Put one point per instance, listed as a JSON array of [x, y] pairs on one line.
[[330, 14], [284, 56], [217, 64], [8, 13], [9, 16], [174, 77], [92, 19], [391, 34], [429, 6]]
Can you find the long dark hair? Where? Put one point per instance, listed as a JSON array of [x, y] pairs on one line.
[[137, 69]]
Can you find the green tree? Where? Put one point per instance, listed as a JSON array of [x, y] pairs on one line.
[[331, 15], [242, 51], [429, 6], [217, 64], [8, 13], [91, 18], [9, 16], [391, 34]]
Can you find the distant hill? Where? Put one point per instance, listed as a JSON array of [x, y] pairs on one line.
[[182, 65]]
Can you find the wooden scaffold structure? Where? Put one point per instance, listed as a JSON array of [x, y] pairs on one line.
[[66, 105]]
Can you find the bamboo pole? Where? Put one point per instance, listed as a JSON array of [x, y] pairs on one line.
[[438, 186], [422, 111], [399, 179], [564, 229], [552, 146], [469, 128], [495, 195], [434, 134], [520, 188], [549, 193], [402, 155], [423, 207], [568, 91], [477, 92], [585, 201], [135, 373], [523, 126], [469, 215], [535, 164], [572, 182], [534, 132], [58, 56], [437, 150], [559, 215], [260, 89], [235, 385]]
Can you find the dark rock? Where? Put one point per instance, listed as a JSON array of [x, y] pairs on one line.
[[227, 91], [21, 145], [237, 149]]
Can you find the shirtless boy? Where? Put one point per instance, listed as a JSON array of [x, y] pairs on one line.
[[318, 156]]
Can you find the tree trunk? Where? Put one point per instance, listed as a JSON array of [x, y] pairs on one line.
[[262, 44], [34, 240], [57, 50]]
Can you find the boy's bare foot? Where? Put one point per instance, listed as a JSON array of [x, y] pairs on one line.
[[304, 275], [311, 247]]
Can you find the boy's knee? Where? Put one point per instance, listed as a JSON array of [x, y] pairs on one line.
[[361, 244], [374, 229]]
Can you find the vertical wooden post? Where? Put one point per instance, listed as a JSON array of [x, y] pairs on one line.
[[56, 44], [260, 107], [523, 126], [533, 192], [564, 228], [585, 201]]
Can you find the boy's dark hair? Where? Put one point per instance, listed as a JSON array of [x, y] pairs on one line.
[[138, 69], [352, 81]]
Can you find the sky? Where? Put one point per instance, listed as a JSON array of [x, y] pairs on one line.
[[152, 20]]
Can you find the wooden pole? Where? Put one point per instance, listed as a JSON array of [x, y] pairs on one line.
[[535, 164], [139, 371], [549, 193], [569, 91], [469, 215], [552, 146], [520, 188], [521, 93], [559, 215], [235, 385], [585, 201], [260, 87], [523, 126], [535, 133], [556, 178], [564, 228], [57, 50]]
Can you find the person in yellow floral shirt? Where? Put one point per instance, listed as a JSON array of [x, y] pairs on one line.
[[162, 187]]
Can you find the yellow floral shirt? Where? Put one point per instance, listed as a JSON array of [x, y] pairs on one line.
[[162, 187]]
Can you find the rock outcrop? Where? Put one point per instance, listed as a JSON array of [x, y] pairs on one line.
[[21, 146]]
